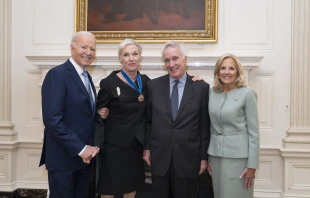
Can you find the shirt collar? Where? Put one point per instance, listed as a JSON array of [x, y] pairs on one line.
[[182, 79], [77, 67]]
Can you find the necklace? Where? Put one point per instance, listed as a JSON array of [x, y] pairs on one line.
[[134, 86]]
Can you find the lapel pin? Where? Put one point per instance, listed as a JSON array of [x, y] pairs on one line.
[[118, 90]]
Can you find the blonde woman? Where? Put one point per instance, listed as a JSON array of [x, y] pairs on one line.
[[123, 92], [234, 142]]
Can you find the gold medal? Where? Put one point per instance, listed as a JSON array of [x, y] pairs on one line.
[[140, 98]]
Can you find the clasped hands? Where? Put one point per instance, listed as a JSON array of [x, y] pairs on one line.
[[89, 153]]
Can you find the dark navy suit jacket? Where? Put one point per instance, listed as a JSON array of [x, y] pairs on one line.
[[68, 118]]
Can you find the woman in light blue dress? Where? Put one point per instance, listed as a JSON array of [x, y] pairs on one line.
[[234, 142]]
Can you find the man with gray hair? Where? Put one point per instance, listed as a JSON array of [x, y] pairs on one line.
[[68, 109], [178, 127]]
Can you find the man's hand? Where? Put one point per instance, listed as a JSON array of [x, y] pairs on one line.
[[103, 112], [249, 174], [203, 166], [147, 157], [89, 153], [209, 168]]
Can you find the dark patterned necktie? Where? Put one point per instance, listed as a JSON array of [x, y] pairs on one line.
[[175, 99]]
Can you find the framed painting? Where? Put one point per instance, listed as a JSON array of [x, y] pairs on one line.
[[155, 21]]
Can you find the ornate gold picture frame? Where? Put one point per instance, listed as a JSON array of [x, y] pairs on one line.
[[155, 21]]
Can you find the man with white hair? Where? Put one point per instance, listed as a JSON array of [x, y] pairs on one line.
[[178, 127], [68, 108]]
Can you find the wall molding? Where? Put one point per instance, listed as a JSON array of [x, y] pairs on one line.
[[148, 62], [256, 31], [295, 153], [21, 144]]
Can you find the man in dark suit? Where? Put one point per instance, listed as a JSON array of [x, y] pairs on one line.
[[178, 127], [68, 108]]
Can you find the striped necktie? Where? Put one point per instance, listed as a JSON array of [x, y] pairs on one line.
[[89, 90]]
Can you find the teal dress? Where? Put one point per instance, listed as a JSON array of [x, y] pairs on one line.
[[234, 142]]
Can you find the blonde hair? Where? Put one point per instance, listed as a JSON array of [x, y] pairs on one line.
[[126, 42], [240, 80]]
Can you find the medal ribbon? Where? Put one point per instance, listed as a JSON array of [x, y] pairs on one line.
[[131, 83]]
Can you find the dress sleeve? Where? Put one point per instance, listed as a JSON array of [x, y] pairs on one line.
[[253, 129], [104, 98], [104, 95]]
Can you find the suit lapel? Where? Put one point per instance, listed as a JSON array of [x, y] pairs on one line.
[[77, 79], [188, 89], [166, 94]]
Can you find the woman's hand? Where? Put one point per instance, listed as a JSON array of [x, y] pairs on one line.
[[103, 112], [249, 174]]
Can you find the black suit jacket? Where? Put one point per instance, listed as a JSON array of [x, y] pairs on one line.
[[68, 118], [183, 142]]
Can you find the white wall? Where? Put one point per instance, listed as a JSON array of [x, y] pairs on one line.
[[41, 33]]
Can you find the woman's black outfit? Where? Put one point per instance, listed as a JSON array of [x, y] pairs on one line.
[[121, 142]]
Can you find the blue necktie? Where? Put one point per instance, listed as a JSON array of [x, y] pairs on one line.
[[88, 88], [175, 99]]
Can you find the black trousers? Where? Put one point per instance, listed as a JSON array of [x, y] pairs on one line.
[[172, 186], [205, 192]]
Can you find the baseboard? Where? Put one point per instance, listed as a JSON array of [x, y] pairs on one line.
[[296, 196], [277, 195], [268, 195]]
